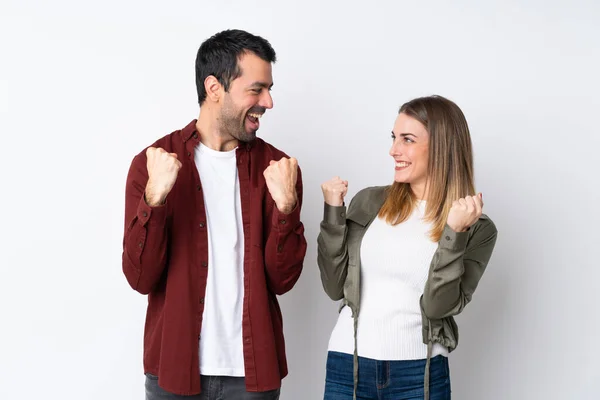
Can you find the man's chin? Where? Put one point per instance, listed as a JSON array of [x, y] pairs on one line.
[[247, 137]]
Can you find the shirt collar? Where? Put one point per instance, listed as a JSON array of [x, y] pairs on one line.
[[190, 131]]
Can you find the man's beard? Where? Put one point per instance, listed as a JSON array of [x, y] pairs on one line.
[[234, 124]]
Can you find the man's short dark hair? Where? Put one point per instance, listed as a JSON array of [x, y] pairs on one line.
[[218, 56]]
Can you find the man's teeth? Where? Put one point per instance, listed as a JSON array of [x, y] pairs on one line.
[[255, 115], [402, 164]]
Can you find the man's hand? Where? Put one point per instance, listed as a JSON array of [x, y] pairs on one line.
[[162, 168], [281, 177]]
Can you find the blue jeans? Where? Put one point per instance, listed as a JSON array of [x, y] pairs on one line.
[[385, 380], [213, 388]]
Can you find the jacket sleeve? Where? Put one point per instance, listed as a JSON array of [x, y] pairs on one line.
[[285, 246], [456, 268], [332, 251], [145, 237]]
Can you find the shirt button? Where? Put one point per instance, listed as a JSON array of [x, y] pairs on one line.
[[140, 245], [145, 214], [448, 238], [247, 340], [201, 224], [202, 301], [195, 135], [198, 187], [280, 248], [189, 154], [204, 264], [342, 214], [282, 222]]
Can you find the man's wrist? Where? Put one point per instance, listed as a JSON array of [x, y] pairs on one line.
[[287, 206], [152, 199]]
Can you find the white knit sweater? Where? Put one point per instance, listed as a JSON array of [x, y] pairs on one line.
[[394, 267]]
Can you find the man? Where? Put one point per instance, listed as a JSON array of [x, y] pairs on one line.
[[213, 234]]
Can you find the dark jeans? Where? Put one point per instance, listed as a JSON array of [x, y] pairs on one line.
[[385, 380], [213, 388]]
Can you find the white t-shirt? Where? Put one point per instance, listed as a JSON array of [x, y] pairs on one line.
[[221, 350], [394, 268]]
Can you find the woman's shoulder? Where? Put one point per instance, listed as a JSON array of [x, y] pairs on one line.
[[484, 227], [370, 193], [368, 200]]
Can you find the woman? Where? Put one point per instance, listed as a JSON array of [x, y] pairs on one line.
[[404, 259]]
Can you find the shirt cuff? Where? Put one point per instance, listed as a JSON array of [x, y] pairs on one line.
[[286, 222], [454, 240], [334, 215], [153, 215]]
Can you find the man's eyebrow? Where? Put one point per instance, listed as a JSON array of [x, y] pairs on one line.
[[262, 85]]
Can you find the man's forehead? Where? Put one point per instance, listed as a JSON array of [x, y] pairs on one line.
[[253, 63], [256, 72]]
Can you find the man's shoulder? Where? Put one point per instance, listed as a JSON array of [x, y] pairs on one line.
[[170, 142], [268, 150]]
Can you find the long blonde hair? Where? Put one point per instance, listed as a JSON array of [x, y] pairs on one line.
[[449, 169]]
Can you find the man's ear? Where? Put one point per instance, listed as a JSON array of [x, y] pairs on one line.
[[214, 89]]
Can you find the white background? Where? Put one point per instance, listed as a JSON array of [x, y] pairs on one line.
[[86, 85]]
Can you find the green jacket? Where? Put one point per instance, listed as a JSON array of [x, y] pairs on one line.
[[454, 272]]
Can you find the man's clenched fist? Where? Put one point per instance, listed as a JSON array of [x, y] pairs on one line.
[[281, 177], [162, 168]]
